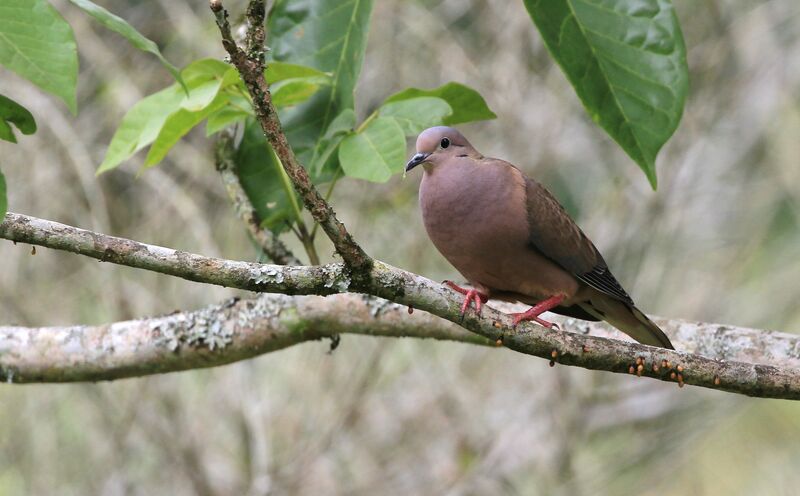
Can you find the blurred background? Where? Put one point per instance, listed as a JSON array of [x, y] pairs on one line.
[[719, 241]]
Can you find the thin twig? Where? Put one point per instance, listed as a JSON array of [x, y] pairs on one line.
[[570, 347], [269, 243], [250, 65]]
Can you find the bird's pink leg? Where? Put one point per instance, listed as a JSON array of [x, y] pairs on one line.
[[533, 312], [470, 296]]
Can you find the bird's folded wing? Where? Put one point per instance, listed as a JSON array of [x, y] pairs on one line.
[[556, 236]]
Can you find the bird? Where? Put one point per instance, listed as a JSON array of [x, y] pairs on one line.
[[512, 240]]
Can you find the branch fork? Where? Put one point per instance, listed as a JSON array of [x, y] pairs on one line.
[[251, 64]]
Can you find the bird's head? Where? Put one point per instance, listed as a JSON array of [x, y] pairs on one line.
[[437, 143]]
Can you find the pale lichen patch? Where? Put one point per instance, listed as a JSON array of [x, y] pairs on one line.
[[206, 328], [377, 306], [267, 275]]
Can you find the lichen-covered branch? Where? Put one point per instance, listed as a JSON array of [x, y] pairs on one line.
[[250, 64], [755, 363], [216, 335], [269, 243]]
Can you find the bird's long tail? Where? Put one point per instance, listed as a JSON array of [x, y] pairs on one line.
[[628, 319]]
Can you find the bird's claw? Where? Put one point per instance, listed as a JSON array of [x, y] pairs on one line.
[[538, 309], [523, 316], [470, 295]]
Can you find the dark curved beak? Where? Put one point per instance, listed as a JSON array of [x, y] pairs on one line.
[[416, 160]]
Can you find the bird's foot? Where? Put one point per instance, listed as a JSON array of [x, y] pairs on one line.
[[470, 296], [533, 312]]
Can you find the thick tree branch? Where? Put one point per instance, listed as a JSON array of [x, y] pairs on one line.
[[216, 335], [250, 64], [269, 243], [729, 364]]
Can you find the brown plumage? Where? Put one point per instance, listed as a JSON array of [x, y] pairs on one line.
[[512, 240]]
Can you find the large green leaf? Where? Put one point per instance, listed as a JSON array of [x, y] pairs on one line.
[[3, 197], [12, 112], [627, 62], [38, 44], [467, 104], [121, 26], [329, 35], [375, 152], [260, 174], [417, 114]]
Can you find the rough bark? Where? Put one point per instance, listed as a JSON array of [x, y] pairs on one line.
[[216, 335], [745, 361]]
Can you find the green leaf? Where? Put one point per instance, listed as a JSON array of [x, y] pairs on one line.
[[13, 112], [6, 133], [417, 114], [223, 118], [330, 36], [206, 69], [38, 44], [278, 71], [3, 197], [260, 174], [121, 26], [343, 124], [205, 78], [467, 104], [374, 153], [201, 95], [177, 125], [143, 123], [627, 62], [291, 84], [294, 91]]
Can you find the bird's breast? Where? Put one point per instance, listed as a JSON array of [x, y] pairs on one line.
[[476, 214], [467, 199]]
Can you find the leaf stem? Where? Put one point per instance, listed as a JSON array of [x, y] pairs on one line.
[[367, 121], [287, 186], [302, 231], [308, 245]]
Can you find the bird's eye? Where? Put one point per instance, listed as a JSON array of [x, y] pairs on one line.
[[445, 142]]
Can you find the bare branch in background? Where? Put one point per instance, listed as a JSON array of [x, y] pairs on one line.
[[269, 243], [250, 65], [778, 379]]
